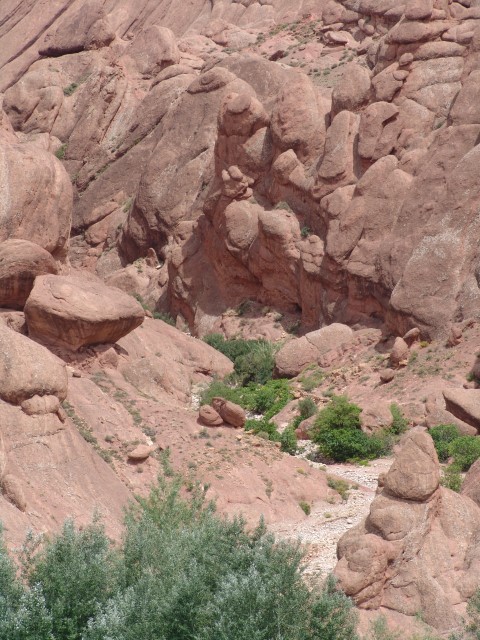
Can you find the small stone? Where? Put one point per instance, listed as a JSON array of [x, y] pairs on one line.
[[405, 59], [142, 452], [387, 375]]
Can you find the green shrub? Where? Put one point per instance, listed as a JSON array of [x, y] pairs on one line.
[[61, 151], [257, 365], [337, 432], [165, 317], [339, 414], [452, 478], [464, 451], [399, 423], [264, 426], [70, 90], [311, 378], [307, 408], [305, 507], [442, 436], [253, 360], [289, 440], [347, 444], [267, 399], [339, 485], [75, 574], [182, 573]]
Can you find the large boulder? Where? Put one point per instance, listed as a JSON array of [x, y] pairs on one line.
[[28, 370], [73, 311], [36, 197], [320, 347], [21, 262], [418, 549], [464, 404], [415, 473], [230, 412]]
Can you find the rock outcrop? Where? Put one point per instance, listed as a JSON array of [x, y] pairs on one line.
[[73, 311], [418, 549]]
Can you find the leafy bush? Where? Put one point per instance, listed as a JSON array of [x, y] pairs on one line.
[[307, 408], [339, 485], [348, 444], [399, 422], [289, 440], [305, 507], [464, 451], [253, 360], [442, 436], [267, 399], [183, 573], [339, 414], [257, 365], [263, 426], [337, 431], [76, 573], [452, 478], [61, 151]]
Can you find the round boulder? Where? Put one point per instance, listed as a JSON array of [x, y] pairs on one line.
[[230, 412], [21, 262], [28, 370], [140, 453], [415, 472], [209, 417], [74, 311]]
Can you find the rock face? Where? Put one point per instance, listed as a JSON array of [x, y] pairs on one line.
[[418, 549], [21, 262], [346, 197], [72, 311]]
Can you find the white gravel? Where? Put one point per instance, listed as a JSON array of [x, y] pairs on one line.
[[326, 524]]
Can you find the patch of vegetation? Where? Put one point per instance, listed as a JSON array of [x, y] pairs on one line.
[[244, 307], [443, 435], [399, 422], [311, 378], [449, 443], [165, 317], [61, 151], [339, 485], [267, 399], [128, 205], [86, 432], [253, 360], [452, 478], [282, 206], [339, 414], [182, 572], [465, 450], [305, 232], [288, 440], [70, 89], [307, 408], [305, 507], [337, 432]]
